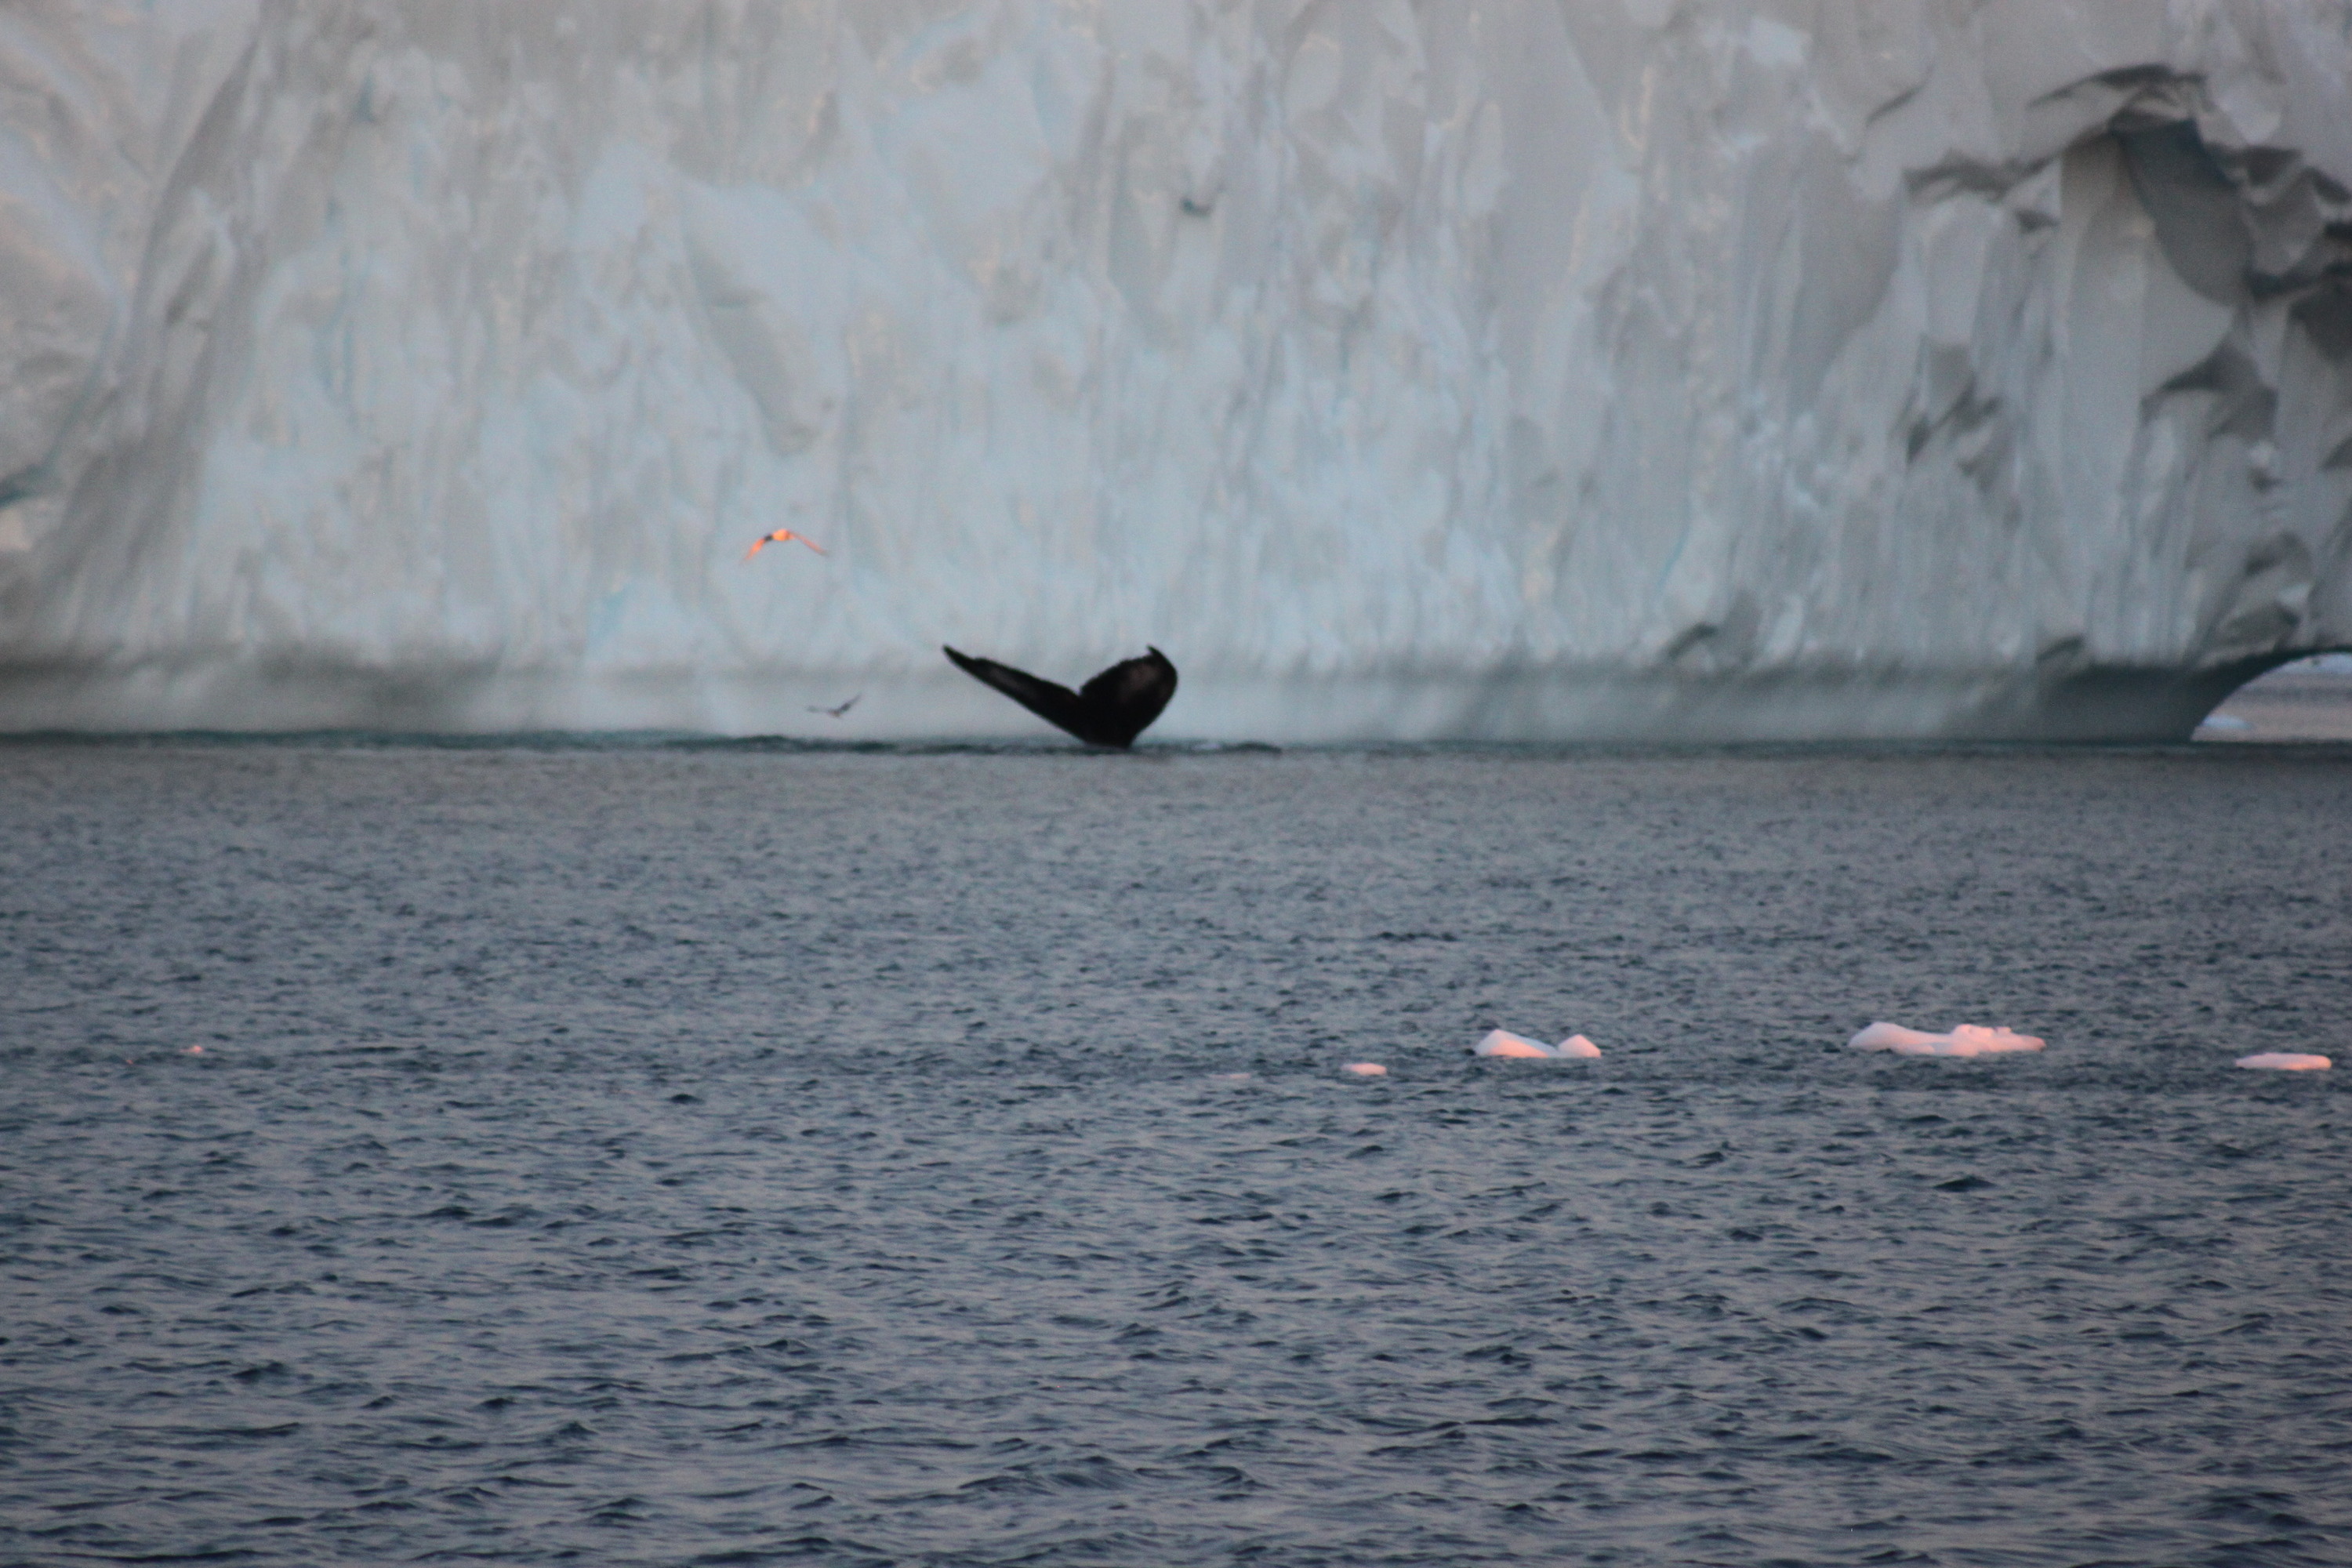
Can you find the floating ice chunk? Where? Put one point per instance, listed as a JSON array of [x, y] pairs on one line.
[[1366, 1070], [2286, 1061], [1968, 1040], [1503, 1043]]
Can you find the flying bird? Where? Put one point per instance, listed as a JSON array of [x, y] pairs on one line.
[[1111, 709], [777, 538], [840, 712]]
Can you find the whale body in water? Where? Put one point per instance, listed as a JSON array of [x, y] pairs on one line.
[[1111, 709]]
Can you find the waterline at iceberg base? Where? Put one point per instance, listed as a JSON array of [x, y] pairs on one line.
[[1589, 704], [1495, 370]]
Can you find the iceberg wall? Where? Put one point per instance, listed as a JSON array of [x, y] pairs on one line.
[[1828, 368]]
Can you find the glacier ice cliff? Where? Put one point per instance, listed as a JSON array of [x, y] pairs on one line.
[[1702, 368]]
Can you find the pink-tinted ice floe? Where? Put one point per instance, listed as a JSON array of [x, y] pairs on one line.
[[1503, 1043], [1968, 1040], [2286, 1061]]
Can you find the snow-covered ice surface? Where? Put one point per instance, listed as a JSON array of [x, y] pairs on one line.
[[1468, 370]]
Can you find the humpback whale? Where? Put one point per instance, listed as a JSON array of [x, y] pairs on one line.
[[1111, 709]]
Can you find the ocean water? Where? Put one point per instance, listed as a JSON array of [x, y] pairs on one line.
[[663, 1154]]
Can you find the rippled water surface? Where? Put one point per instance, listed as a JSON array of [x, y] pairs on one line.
[[642, 1154]]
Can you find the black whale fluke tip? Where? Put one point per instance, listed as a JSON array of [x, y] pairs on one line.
[[1110, 710]]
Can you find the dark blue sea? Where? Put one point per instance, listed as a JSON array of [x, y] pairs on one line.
[[627, 1152]]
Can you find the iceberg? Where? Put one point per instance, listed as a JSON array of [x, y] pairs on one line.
[[1503, 1043], [1483, 370], [2286, 1061], [1967, 1040]]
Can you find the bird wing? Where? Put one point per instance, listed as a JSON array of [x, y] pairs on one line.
[[779, 537], [1058, 705]]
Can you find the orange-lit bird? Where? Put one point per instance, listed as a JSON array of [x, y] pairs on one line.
[[777, 538]]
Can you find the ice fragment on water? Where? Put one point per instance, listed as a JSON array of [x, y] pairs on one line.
[[1503, 1043], [1968, 1040], [2286, 1061]]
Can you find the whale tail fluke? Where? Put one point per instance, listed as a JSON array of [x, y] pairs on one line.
[[1058, 705], [1111, 709]]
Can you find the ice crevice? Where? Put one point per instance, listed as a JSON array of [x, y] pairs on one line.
[[1483, 370]]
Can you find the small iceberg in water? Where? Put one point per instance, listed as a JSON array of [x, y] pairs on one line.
[[1968, 1040], [1503, 1043], [2286, 1061], [1366, 1070]]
